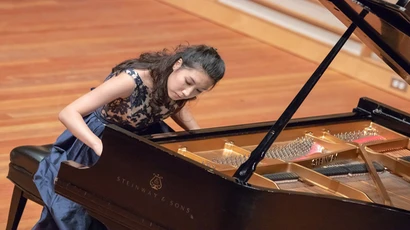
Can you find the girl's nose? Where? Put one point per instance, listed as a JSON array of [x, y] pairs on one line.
[[187, 91]]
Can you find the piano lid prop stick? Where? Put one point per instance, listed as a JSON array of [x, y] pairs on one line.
[[246, 169]]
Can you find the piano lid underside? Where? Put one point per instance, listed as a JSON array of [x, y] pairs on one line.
[[321, 159], [385, 29]]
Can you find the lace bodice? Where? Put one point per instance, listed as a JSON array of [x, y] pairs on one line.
[[137, 111]]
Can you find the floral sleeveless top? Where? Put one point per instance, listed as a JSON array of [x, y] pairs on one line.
[[135, 112]]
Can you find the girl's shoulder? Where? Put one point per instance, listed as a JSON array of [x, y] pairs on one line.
[[141, 77], [135, 75]]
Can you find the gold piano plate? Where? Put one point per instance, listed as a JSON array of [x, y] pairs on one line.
[[324, 159], [227, 169]]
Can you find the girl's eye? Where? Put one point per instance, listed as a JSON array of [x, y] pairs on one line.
[[199, 91], [188, 83]]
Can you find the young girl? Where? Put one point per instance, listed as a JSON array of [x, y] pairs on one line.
[[137, 96]]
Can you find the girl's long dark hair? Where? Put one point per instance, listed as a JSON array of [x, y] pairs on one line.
[[160, 65]]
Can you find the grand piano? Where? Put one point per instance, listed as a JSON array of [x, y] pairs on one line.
[[342, 171]]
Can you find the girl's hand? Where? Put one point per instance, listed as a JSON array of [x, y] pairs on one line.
[[98, 148], [185, 119]]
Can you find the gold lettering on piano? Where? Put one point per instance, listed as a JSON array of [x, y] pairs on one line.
[[324, 160], [156, 185], [156, 182]]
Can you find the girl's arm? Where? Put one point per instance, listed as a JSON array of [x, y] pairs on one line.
[[72, 115], [185, 119]]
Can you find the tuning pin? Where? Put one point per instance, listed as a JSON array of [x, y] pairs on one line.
[[296, 148]]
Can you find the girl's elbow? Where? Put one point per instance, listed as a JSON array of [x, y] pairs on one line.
[[64, 115], [61, 115]]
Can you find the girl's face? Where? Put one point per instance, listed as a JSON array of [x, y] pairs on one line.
[[184, 83]]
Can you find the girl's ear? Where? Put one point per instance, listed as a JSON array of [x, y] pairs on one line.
[[177, 64]]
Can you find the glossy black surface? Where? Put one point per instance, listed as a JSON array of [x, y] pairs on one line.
[[385, 115]]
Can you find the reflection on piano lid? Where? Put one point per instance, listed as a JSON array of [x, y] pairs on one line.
[[343, 171], [385, 29]]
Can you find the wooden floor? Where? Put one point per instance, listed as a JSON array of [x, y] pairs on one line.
[[52, 51]]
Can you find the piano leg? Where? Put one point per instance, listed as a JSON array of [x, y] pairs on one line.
[[18, 202]]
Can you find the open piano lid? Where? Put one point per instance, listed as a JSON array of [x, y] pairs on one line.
[[385, 29]]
